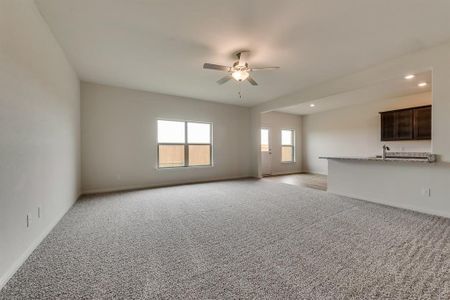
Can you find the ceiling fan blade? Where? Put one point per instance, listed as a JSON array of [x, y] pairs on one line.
[[264, 68], [243, 58], [251, 80], [224, 79], [216, 67]]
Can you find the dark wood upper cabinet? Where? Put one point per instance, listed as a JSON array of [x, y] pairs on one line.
[[406, 124], [422, 123], [387, 126]]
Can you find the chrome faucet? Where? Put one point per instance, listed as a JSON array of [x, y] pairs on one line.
[[385, 150]]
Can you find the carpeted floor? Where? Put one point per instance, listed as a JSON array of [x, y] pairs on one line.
[[237, 239]]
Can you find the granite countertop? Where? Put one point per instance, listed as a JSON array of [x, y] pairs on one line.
[[422, 157]]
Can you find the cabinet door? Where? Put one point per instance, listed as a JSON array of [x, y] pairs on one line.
[[404, 125], [422, 123], [387, 126]]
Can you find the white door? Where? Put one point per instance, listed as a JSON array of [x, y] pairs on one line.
[[266, 152]]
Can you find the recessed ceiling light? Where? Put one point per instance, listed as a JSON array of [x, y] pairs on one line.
[[410, 76], [422, 84], [312, 105]]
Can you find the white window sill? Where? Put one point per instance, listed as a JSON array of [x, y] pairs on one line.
[[182, 168]]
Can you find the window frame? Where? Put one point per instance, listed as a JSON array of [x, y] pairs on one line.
[[293, 158], [186, 145]]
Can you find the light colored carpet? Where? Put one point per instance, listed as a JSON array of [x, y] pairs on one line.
[[237, 239]]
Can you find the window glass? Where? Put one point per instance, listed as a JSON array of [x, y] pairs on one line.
[[171, 132], [264, 140], [199, 133], [199, 155], [287, 145], [171, 156], [286, 137], [286, 153], [184, 144]]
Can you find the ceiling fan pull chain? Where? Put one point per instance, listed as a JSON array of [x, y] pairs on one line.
[[240, 91]]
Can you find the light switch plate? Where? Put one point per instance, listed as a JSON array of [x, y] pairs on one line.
[[28, 220]]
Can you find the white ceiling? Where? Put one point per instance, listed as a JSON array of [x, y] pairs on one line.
[[161, 45], [387, 89]]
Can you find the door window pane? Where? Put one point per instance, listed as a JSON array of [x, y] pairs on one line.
[[199, 155], [171, 156], [264, 140], [199, 133], [171, 132], [286, 153]]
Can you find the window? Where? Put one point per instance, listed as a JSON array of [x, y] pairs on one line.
[[183, 144], [264, 140], [287, 145]]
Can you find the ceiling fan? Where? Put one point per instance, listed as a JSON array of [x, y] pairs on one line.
[[240, 70]]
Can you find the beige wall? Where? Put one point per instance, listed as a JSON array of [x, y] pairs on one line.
[[418, 186], [275, 122], [119, 137], [354, 131], [39, 132]]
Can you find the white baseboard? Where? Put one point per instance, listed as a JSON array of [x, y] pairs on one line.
[[283, 173], [150, 186], [295, 172], [315, 173], [23, 257]]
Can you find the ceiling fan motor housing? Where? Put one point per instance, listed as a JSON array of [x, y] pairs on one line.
[[236, 66]]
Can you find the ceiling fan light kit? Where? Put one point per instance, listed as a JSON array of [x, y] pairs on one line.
[[240, 71], [240, 75]]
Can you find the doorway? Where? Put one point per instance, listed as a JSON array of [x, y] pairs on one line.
[[266, 152]]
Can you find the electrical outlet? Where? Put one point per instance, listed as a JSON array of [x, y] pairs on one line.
[[426, 192], [28, 220]]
